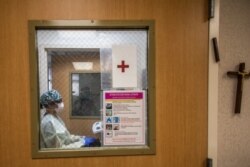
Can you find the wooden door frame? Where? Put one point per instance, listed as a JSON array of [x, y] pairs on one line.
[[213, 84]]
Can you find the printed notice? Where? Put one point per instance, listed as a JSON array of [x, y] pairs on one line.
[[124, 118]]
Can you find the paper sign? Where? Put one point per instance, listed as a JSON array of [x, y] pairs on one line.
[[124, 66], [124, 118]]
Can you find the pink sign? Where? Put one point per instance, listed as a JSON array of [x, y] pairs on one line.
[[124, 118], [124, 95]]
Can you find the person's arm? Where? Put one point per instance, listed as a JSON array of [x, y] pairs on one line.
[[50, 137], [75, 138]]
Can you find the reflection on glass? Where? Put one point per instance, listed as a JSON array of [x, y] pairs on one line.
[[85, 100]]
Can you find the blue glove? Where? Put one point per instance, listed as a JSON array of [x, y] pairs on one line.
[[91, 142]]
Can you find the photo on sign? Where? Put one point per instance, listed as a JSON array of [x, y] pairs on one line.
[[109, 134], [108, 112], [109, 120], [116, 119], [116, 127], [109, 106], [108, 126]]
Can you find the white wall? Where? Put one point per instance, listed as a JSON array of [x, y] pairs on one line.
[[233, 129]]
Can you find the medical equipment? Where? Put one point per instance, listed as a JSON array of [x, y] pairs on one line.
[[97, 127]]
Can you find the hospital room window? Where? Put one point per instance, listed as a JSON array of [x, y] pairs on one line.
[[92, 88]]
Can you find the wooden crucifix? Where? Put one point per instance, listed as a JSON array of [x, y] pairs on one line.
[[241, 75]]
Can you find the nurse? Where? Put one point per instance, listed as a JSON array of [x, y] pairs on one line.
[[54, 133]]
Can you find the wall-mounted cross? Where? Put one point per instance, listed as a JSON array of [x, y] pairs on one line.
[[241, 75]]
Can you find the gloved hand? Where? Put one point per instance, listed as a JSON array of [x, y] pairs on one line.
[[91, 142]]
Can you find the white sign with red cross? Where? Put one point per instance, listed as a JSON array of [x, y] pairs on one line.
[[124, 66]]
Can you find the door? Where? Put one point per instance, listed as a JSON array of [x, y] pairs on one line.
[[181, 78]]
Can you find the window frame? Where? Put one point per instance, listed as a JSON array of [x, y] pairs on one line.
[[35, 25]]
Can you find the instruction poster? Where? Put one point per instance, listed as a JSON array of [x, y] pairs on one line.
[[124, 118]]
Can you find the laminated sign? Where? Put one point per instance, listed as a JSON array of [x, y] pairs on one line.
[[124, 66], [124, 117]]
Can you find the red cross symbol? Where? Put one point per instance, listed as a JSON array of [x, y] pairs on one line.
[[123, 66]]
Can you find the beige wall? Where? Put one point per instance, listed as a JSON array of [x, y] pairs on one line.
[[181, 78], [233, 130]]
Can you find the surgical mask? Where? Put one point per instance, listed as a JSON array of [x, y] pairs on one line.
[[60, 107]]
